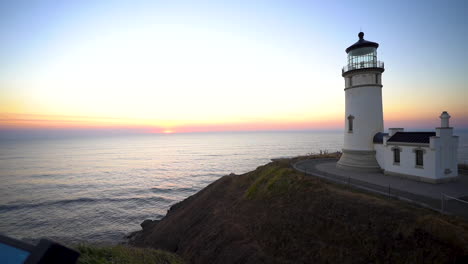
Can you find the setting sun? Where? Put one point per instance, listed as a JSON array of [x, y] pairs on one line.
[[154, 66]]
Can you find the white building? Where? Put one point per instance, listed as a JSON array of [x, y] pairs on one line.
[[425, 156]]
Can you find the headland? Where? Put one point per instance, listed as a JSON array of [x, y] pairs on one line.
[[276, 214]]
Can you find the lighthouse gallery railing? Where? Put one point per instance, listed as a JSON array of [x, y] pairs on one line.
[[363, 65]]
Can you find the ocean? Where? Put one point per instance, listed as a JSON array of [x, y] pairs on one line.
[[99, 189]]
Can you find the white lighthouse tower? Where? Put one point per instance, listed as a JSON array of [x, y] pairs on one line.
[[363, 114]]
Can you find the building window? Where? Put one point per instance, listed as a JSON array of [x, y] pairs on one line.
[[396, 155], [350, 123], [419, 157], [351, 81]]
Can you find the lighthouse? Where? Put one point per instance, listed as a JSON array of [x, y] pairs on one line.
[[422, 156], [363, 106]]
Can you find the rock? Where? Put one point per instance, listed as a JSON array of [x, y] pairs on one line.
[[147, 223]]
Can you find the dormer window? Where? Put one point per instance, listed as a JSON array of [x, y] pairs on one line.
[[350, 123]]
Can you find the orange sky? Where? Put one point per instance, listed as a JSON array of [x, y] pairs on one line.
[[32, 121], [223, 67]]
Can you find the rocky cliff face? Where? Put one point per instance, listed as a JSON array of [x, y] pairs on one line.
[[276, 215]]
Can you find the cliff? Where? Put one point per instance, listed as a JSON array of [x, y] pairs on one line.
[[277, 215]]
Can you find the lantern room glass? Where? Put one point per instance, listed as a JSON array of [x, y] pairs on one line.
[[365, 57]]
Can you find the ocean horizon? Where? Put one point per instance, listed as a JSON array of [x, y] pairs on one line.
[[99, 189]]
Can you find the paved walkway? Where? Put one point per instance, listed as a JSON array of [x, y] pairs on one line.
[[455, 189], [426, 194]]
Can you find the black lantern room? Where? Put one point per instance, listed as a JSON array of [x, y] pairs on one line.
[[362, 55]]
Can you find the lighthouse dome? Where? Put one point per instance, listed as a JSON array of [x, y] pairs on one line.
[[362, 43]]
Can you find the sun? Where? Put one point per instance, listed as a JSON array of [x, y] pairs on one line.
[[168, 131]]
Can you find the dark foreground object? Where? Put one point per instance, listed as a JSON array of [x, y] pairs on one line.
[[13, 251], [277, 215]]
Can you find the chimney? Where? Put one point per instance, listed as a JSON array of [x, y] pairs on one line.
[[393, 130], [444, 120]]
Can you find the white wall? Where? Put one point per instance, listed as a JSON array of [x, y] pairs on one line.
[[365, 104], [446, 147], [407, 165], [439, 159], [379, 155], [364, 78]]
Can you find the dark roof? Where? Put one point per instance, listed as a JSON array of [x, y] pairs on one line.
[[378, 138], [411, 137], [362, 43]]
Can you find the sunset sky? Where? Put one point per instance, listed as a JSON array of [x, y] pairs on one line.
[[190, 66]]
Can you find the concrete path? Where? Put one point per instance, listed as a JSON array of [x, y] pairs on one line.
[[425, 194], [455, 189]]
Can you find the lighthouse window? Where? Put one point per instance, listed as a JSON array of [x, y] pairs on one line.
[[419, 157], [362, 58], [350, 123]]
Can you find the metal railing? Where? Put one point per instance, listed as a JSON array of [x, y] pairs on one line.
[[453, 205], [363, 65]]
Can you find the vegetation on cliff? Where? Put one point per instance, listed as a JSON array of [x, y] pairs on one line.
[[277, 215], [124, 255]]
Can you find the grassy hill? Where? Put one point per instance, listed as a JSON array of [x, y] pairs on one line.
[[277, 215], [124, 255]]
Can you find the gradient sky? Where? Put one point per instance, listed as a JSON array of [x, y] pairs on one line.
[[186, 66]]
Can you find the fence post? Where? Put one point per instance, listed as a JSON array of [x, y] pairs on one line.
[[442, 202]]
